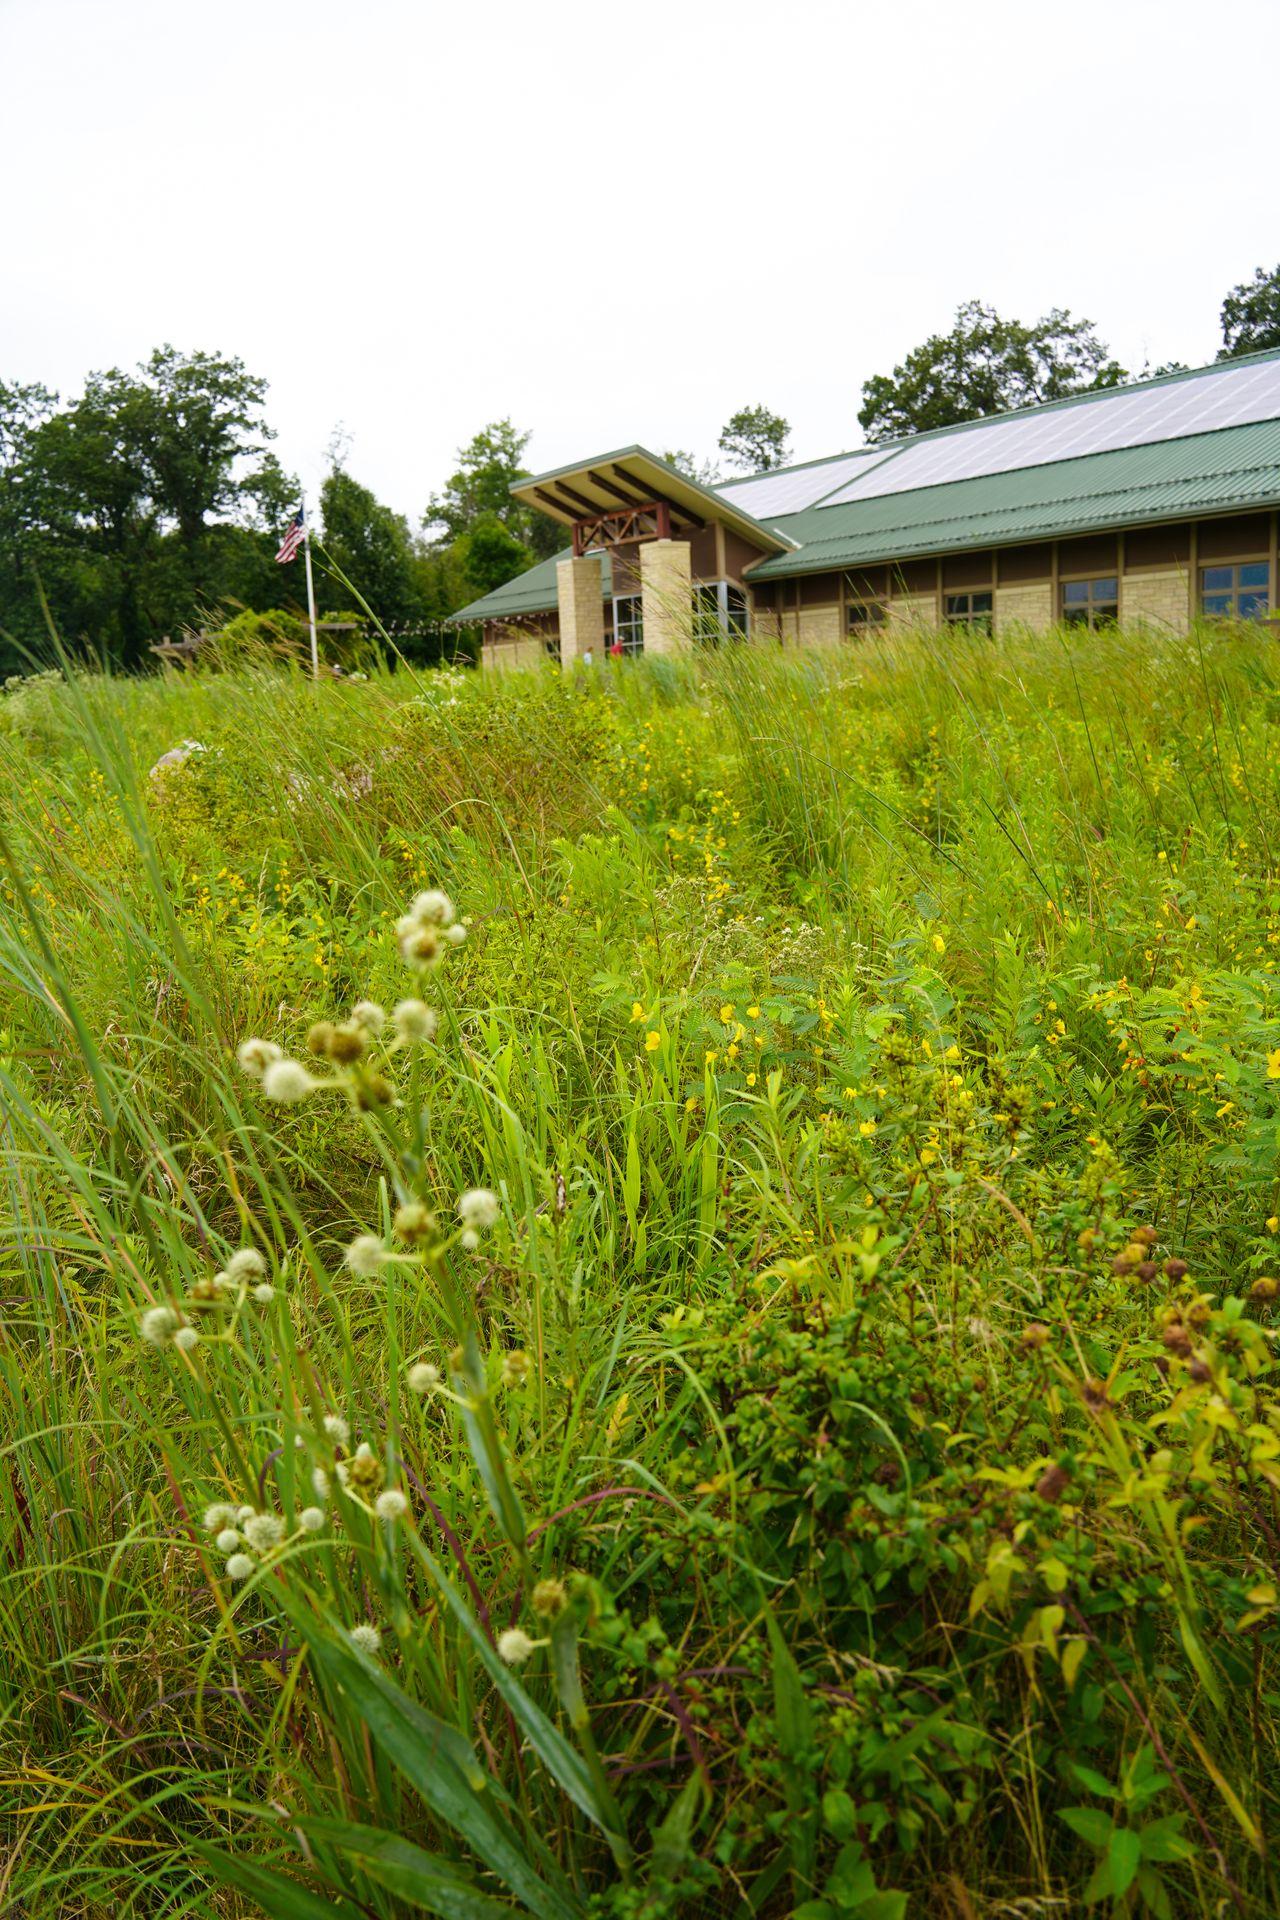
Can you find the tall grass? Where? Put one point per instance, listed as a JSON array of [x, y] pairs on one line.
[[843, 1036]]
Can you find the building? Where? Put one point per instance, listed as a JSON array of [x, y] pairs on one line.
[[1155, 503]]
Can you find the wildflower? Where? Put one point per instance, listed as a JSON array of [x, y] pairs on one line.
[[434, 907], [751, 1079], [287, 1081], [939, 944], [469, 1240], [185, 1339], [228, 1540], [549, 1597], [311, 1519], [242, 1514], [515, 1646], [1273, 1064], [246, 1263], [866, 1128], [726, 1012], [366, 1256], [424, 1378], [753, 1013], [264, 1294], [652, 1041], [363, 1473], [637, 1011], [263, 1531], [391, 1505], [414, 1021], [515, 1368], [456, 934], [1273, 1224], [320, 1483], [239, 1567], [478, 1207], [419, 943], [158, 1325], [218, 1516], [369, 1016], [365, 1637], [255, 1056], [337, 1429]]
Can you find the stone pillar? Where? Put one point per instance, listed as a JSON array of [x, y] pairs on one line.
[[580, 590], [666, 595]]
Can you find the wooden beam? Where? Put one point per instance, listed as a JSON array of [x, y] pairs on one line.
[[607, 486], [551, 501], [686, 513]]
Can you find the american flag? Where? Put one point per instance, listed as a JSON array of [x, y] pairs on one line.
[[294, 536]]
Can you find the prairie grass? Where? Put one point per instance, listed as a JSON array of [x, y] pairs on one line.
[[862, 1409]]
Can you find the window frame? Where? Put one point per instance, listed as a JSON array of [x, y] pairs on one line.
[[715, 620], [1234, 592], [1090, 603], [981, 620], [628, 634], [877, 613]]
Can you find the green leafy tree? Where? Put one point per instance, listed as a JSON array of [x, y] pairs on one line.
[[705, 472], [488, 466], [1251, 315], [371, 546], [986, 365], [755, 440], [490, 555]]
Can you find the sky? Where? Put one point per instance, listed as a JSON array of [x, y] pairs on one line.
[[613, 224]]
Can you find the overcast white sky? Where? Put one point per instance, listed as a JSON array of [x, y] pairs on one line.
[[614, 223]]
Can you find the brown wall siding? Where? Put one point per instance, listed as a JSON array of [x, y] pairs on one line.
[[1236, 534], [1094, 553], [870, 583], [703, 558], [915, 576], [1019, 564], [820, 590], [961, 571], [1157, 547], [738, 555]]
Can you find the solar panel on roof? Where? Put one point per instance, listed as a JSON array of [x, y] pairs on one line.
[[773, 493], [1127, 417]]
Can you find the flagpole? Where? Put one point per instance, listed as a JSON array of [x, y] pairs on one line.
[[311, 590]]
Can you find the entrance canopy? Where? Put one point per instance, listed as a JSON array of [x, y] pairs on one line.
[[633, 495]]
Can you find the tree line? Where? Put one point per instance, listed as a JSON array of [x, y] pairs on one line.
[[152, 503]]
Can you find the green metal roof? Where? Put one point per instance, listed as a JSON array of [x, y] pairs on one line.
[[1234, 467], [1219, 468]]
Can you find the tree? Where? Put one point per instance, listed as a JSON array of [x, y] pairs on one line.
[[756, 440], [1251, 315], [705, 472], [488, 466], [986, 365], [490, 555], [372, 547]]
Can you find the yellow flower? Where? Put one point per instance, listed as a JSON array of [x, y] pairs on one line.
[[637, 1011], [753, 1013], [1273, 1224], [691, 1104], [710, 1056], [927, 1156], [1273, 1064], [939, 944], [1191, 924], [751, 1079], [652, 1041], [866, 1128], [726, 1012]]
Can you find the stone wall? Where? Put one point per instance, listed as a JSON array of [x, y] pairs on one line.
[[1028, 606], [1156, 599], [666, 595]]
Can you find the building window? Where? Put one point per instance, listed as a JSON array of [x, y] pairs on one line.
[[969, 610], [1239, 592], [860, 616], [719, 612], [628, 624], [1091, 603]]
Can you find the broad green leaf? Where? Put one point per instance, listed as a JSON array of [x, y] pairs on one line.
[[1124, 1857], [410, 1872], [1090, 1778], [275, 1893], [1154, 1896], [1164, 1840], [426, 1752], [795, 1735], [1091, 1823], [672, 1840]]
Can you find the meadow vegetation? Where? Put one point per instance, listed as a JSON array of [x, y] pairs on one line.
[[714, 1353]]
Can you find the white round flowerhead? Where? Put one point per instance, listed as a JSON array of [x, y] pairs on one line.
[[239, 1567], [255, 1056], [186, 1338], [319, 1483], [515, 1646], [158, 1325], [287, 1081], [414, 1021], [366, 1256], [391, 1505], [455, 934], [434, 907], [246, 1263], [368, 1015], [337, 1429], [424, 1378], [365, 1637], [243, 1514], [227, 1541], [264, 1294], [218, 1516], [264, 1531], [478, 1208], [311, 1519], [468, 1239]]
